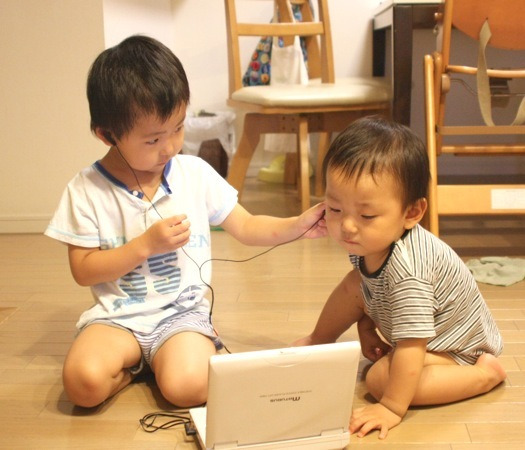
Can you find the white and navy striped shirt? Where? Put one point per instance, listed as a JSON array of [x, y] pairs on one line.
[[424, 290]]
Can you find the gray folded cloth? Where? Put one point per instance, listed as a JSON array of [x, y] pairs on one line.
[[498, 270]]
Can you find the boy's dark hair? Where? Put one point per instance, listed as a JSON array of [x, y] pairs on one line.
[[372, 145], [138, 76]]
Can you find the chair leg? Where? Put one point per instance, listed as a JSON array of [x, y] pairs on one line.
[[431, 220], [290, 168], [324, 143], [304, 163], [245, 150]]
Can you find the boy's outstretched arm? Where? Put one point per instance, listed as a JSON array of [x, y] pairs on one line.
[[399, 384], [343, 308], [268, 230]]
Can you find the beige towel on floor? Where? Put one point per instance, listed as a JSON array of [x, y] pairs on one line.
[[498, 270]]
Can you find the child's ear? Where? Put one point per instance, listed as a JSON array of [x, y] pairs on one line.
[[105, 136], [415, 212]]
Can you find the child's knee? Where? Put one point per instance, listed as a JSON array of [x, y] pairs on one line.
[[377, 378], [85, 384], [185, 396], [184, 389]]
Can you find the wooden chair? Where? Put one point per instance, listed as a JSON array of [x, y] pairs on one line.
[[325, 105], [506, 20]]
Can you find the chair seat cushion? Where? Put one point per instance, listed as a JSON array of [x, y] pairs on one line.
[[345, 91]]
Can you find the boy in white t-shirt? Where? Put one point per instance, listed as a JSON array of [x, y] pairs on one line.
[[137, 227]]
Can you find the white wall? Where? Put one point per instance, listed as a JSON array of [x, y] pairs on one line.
[[123, 18], [46, 48]]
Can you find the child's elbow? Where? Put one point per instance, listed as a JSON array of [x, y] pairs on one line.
[[81, 275], [80, 278]]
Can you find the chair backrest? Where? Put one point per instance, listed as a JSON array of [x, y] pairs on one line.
[[316, 32], [505, 31], [466, 134], [506, 19]]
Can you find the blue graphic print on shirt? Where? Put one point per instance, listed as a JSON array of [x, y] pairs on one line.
[[163, 267]]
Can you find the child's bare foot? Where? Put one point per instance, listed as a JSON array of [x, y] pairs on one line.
[[493, 369]]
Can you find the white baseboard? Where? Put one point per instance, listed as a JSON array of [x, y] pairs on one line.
[[23, 224]]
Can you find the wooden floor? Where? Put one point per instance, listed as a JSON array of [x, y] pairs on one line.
[[265, 303]]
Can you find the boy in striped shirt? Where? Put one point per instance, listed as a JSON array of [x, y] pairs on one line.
[[442, 340]]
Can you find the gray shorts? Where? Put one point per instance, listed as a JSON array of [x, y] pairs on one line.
[[195, 320]]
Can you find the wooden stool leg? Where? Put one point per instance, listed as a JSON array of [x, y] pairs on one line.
[[324, 144], [290, 168], [304, 163], [242, 157]]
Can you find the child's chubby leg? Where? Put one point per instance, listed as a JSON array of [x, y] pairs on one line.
[[181, 368], [97, 364], [442, 379], [411, 376]]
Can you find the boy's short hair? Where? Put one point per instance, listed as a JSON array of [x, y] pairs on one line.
[[373, 145], [136, 77]]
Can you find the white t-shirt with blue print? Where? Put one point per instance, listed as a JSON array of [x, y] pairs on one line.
[[97, 210]]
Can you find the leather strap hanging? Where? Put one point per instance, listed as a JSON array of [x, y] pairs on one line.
[[482, 78]]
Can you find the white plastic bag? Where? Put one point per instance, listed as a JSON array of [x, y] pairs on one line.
[[199, 128], [288, 65]]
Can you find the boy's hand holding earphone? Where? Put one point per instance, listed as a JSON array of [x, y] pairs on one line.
[[313, 222], [166, 235]]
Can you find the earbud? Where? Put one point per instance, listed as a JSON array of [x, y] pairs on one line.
[[109, 138]]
